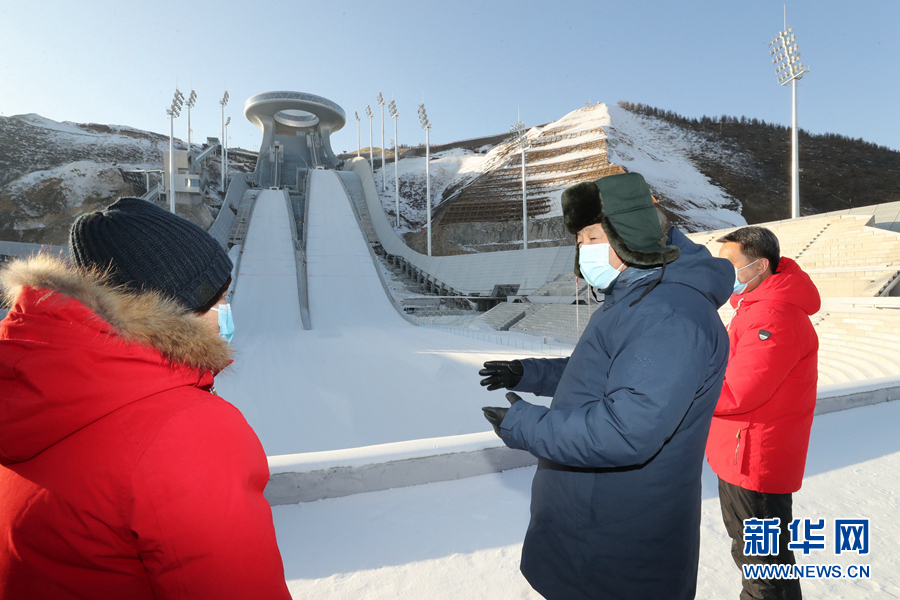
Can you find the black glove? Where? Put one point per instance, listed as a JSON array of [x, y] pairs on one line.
[[495, 414], [501, 374]]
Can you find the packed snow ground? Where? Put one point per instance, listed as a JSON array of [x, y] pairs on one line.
[[462, 539]]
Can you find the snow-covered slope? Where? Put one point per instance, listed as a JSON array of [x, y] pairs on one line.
[[30, 143], [661, 153], [40, 206]]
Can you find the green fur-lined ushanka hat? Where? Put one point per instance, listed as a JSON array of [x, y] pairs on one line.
[[622, 204]]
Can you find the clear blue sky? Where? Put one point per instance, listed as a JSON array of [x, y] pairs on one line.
[[475, 62]]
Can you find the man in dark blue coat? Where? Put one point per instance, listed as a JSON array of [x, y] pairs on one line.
[[615, 506]]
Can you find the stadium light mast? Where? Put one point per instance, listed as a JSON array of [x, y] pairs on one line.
[[423, 119], [358, 149], [192, 99], [381, 104], [518, 131], [225, 148], [789, 69], [222, 103], [173, 112], [371, 157], [392, 107]]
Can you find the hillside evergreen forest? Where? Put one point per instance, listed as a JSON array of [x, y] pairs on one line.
[[836, 172]]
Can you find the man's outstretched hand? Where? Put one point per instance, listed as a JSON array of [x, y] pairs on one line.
[[495, 414], [501, 374]]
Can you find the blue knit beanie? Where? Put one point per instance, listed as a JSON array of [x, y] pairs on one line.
[[149, 248]]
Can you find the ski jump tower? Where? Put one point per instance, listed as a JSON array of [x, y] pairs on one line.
[[297, 130]]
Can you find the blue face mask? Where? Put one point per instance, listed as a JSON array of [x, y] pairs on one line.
[[226, 322], [740, 288], [594, 262]]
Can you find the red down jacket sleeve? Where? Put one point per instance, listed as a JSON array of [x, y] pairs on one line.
[[757, 366], [203, 527]]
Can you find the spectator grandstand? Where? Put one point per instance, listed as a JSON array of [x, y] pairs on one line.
[[557, 156]]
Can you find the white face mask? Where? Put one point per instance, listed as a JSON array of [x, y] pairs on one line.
[[594, 262], [740, 288], [226, 322]]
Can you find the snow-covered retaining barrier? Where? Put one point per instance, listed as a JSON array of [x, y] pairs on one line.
[[843, 396], [313, 476], [317, 475]]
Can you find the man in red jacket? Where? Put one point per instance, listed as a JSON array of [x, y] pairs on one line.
[[760, 429], [121, 474]]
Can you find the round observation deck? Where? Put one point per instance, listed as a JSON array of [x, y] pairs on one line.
[[298, 110]]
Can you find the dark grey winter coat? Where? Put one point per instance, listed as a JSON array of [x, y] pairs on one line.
[[615, 506]]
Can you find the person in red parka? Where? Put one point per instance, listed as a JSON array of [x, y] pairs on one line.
[[760, 429], [121, 474]]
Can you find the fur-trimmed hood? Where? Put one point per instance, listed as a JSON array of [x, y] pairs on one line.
[[149, 319], [75, 349]]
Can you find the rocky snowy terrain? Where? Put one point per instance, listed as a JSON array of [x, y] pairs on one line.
[[51, 172]]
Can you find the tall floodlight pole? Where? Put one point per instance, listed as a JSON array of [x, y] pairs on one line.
[[173, 112], [190, 104], [789, 69], [222, 103], [423, 119], [518, 131], [225, 148], [381, 104], [371, 157], [358, 150], [394, 114]]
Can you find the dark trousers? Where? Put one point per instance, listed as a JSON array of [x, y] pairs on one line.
[[739, 504]]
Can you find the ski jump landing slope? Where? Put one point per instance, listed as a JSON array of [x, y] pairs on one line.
[[362, 375]]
